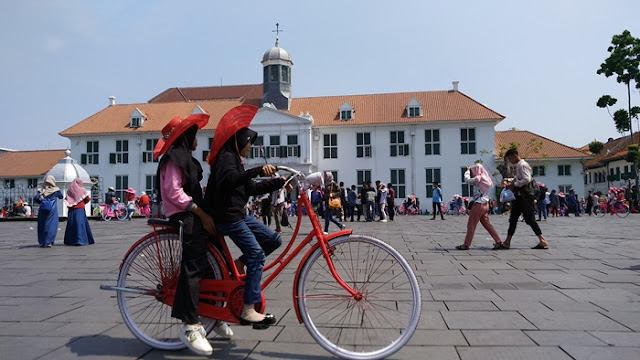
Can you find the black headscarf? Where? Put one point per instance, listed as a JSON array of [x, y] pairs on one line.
[[180, 154]]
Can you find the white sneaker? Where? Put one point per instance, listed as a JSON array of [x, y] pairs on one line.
[[192, 336], [223, 329], [383, 220]]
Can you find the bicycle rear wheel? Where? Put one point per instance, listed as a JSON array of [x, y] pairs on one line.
[[105, 215], [149, 268], [374, 326], [622, 210], [120, 211], [600, 210]]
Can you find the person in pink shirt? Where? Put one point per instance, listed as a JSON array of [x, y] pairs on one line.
[[179, 175]]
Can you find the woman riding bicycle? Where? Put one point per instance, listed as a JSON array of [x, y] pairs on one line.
[[179, 176], [228, 190]]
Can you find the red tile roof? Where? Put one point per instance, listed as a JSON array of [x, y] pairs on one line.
[[613, 149], [392, 108], [115, 118], [34, 163], [547, 147], [248, 94]]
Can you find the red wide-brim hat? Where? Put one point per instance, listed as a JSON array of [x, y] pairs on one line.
[[235, 119], [131, 190], [175, 128]]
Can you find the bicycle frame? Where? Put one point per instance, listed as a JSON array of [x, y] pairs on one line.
[[230, 289]]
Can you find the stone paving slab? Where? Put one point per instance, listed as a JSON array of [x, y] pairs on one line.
[[578, 300]]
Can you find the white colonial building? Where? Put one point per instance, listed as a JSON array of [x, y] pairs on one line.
[[410, 139]]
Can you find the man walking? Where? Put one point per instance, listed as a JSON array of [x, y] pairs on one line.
[[524, 202]]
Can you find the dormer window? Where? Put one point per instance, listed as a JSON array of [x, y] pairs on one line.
[[136, 119], [414, 108], [346, 111]]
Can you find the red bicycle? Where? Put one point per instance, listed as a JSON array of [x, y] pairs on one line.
[[356, 295], [611, 207]]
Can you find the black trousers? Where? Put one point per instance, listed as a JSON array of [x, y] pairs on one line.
[[392, 210], [193, 267], [523, 204], [437, 208]]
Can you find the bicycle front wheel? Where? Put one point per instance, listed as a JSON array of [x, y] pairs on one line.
[[152, 268], [371, 327], [600, 210], [622, 210]]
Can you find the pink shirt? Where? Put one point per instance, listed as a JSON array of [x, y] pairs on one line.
[[174, 198]]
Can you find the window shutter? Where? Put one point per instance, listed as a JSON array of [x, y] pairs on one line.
[[205, 153], [283, 151], [144, 157], [406, 149], [298, 150], [393, 150], [112, 158], [83, 159], [125, 158]]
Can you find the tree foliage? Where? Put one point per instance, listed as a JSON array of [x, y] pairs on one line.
[[595, 147], [624, 63], [633, 154]]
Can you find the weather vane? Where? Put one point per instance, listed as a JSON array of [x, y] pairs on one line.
[[277, 31]]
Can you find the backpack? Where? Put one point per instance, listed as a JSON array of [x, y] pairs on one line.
[[316, 197]]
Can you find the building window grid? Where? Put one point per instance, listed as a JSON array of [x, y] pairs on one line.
[[122, 184], [397, 144], [91, 156], [147, 156], [565, 170], [432, 142], [274, 146], [346, 114], [538, 170], [467, 141], [431, 175], [363, 144], [10, 184], [293, 149], [330, 146], [467, 189], [414, 111], [256, 149], [121, 156], [564, 188], [150, 183], [398, 181], [136, 122], [362, 176], [32, 183]]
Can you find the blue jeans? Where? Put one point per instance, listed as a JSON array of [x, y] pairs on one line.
[[256, 241], [328, 216]]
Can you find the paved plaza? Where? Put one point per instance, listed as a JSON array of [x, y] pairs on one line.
[[578, 300]]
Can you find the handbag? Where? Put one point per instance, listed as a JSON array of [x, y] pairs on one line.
[[471, 204], [335, 203], [507, 195]]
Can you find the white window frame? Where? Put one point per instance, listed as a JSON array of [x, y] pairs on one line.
[[363, 145], [432, 175], [331, 146], [431, 145], [565, 170], [399, 187], [397, 147], [466, 142]]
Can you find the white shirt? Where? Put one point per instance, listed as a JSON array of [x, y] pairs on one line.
[[523, 174]]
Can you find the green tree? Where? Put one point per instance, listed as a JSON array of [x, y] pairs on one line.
[[596, 146], [624, 62]]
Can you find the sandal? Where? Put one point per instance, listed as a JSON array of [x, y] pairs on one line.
[[497, 246], [462, 247], [540, 247]]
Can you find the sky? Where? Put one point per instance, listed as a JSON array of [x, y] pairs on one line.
[[534, 62]]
